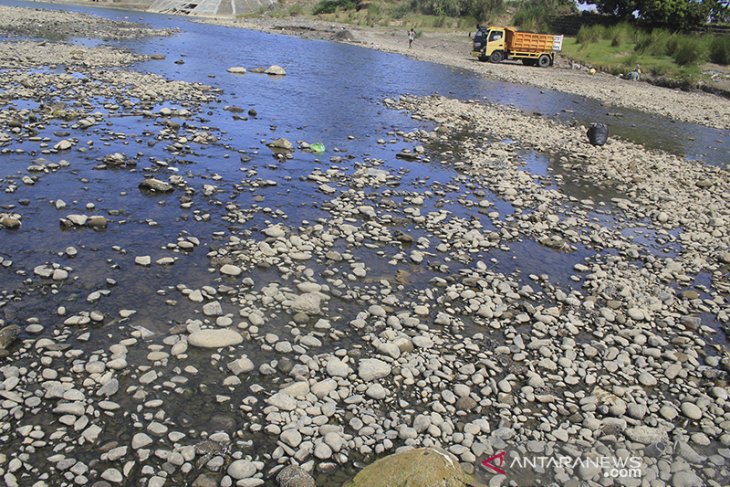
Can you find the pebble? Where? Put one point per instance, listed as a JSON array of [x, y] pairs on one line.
[[691, 410]]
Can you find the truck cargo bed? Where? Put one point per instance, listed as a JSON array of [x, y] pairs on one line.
[[530, 42]]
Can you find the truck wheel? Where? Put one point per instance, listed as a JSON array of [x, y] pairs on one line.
[[543, 61], [496, 57]]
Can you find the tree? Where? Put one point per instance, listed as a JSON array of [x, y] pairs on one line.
[[675, 14], [483, 9], [618, 8]]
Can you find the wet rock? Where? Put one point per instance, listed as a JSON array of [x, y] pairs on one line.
[[417, 467], [143, 260], [691, 410], [343, 35], [282, 401], [237, 70], [281, 144], [215, 338], [231, 270], [241, 469], [308, 303], [11, 222], [212, 309], [372, 369], [275, 70], [291, 437], [337, 368], [155, 186], [141, 440], [294, 476], [63, 145], [97, 222], [8, 335]]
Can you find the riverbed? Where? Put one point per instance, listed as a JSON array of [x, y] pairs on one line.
[[205, 294]]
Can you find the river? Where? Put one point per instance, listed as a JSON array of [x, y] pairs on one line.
[[333, 94]]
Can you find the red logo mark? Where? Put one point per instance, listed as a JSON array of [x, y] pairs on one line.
[[488, 463]]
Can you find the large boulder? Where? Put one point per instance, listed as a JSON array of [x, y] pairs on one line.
[[421, 467], [293, 476], [275, 70], [155, 186], [8, 335]]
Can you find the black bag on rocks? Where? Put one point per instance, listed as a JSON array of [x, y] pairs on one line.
[[598, 133]]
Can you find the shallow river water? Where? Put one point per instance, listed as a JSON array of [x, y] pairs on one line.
[[332, 93]]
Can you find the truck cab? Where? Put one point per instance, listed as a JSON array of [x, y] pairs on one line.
[[495, 44], [487, 40]]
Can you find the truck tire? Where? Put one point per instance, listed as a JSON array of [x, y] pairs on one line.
[[544, 61], [496, 57]]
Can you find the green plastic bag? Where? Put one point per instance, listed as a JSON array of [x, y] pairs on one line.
[[317, 147]]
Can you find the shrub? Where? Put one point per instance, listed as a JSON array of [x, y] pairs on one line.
[[621, 34], [689, 51], [375, 14], [401, 10], [655, 43], [331, 6], [590, 34], [720, 50]]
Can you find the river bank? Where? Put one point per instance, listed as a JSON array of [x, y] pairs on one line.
[[452, 49], [196, 294]]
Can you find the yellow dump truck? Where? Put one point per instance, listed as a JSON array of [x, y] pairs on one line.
[[495, 44]]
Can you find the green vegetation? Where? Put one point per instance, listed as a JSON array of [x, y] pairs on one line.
[[331, 6], [720, 50], [617, 49], [419, 13], [534, 16], [674, 14]]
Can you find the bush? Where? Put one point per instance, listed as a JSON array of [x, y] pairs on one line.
[[401, 10], [720, 50], [331, 6], [655, 43], [590, 34], [689, 51], [535, 15], [375, 14], [621, 34], [296, 10]]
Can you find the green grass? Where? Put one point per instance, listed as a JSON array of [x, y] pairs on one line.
[[616, 60], [617, 49]]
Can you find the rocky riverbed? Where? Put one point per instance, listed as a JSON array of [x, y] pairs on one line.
[[58, 25], [171, 315]]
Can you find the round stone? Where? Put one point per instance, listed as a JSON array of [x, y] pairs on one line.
[[241, 469], [691, 410]]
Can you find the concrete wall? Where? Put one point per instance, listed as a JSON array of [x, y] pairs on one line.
[[201, 7]]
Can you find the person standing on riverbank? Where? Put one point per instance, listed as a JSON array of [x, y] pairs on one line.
[[411, 37]]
